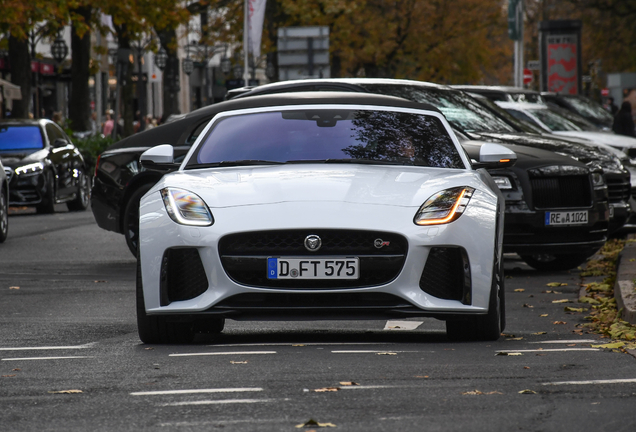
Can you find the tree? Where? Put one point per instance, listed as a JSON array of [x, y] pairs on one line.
[[79, 105]]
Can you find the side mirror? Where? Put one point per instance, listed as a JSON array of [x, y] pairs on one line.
[[159, 158], [60, 142], [495, 156]]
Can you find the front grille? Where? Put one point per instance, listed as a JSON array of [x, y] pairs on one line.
[[182, 275], [618, 188], [287, 301], [244, 256], [561, 192], [446, 274]]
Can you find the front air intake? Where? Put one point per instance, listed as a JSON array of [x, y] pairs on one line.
[[446, 274], [182, 275]]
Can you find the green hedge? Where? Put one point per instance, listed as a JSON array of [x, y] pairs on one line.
[[91, 147]]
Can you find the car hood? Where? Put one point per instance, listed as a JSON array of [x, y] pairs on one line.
[[591, 155], [360, 184], [16, 159], [607, 138]]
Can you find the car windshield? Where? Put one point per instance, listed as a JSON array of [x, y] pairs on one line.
[[461, 111], [589, 108], [15, 137], [554, 121], [328, 136]]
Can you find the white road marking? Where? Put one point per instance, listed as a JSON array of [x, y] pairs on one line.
[[566, 341], [46, 358], [613, 381], [300, 343], [368, 351], [402, 325], [551, 350], [197, 391], [218, 402], [222, 353], [88, 345]]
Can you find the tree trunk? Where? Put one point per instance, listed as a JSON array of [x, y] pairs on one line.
[[171, 83], [20, 62], [127, 95], [79, 104]]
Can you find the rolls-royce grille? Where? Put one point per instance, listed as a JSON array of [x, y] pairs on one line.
[[618, 188], [244, 256], [182, 275], [446, 274], [561, 192]]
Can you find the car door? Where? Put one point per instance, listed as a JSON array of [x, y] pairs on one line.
[[61, 155]]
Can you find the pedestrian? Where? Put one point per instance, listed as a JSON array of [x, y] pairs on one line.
[[623, 121], [150, 122], [610, 106], [93, 123], [109, 124]]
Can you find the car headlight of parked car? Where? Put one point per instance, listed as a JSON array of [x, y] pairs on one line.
[[30, 169], [186, 208], [598, 181], [444, 207]]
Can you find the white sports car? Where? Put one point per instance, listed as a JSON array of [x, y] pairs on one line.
[[322, 206]]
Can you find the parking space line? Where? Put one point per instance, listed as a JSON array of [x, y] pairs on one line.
[[197, 391], [402, 325], [588, 382], [549, 350], [70, 347], [222, 353], [46, 358], [218, 402]]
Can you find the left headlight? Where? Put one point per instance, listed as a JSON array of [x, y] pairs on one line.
[[186, 208], [30, 168], [444, 207], [597, 180]]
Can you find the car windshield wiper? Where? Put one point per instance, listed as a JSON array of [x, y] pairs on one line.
[[244, 162]]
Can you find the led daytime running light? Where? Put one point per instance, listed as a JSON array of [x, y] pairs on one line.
[[457, 209], [29, 169], [186, 208]]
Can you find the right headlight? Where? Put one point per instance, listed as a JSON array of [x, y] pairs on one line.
[[186, 208], [444, 207]]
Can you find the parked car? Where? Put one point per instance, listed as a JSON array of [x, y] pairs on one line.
[[4, 203], [322, 206], [527, 232], [583, 106], [43, 166]]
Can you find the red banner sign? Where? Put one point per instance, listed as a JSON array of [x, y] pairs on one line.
[[562, 64]]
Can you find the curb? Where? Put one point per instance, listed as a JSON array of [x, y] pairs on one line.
[[625, 287]]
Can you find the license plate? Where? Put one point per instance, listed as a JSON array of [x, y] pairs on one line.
[[566, 218], [313, 268]]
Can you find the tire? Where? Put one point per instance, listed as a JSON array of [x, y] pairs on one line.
[[4, 214], [154, 329], [548, 262], [47, 205], [486, 327], [131, 218], [80, 203]]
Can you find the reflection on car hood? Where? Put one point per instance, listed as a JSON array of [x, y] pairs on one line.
[[360, 184], [16, 159], [590, 155], [607, 138]]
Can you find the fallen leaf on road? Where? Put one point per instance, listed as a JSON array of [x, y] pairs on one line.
[[238, 362], [519, 338], [526, 391], [589, 300], [477, 392], [8, 376], [526, 305], [526, 367], [519, 290], [559, 322], [571, 309], [508, 335], [16, 370], [312, 422], [100, 281], [505, 353], [298, 345], [561, 301], [557, 284], [149, 348], [420, 376], [327, 389], [571, 345], [614, 345], [551, 292], [386, 353], [543, 315], [348, 383], [66, 392], [14, 288], [540, 333]]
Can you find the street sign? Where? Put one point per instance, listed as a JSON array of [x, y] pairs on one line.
[[534, 64], [605, 92], [527, 76]]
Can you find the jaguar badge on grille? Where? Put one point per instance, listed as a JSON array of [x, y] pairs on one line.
[[313, 243], [379, 243]]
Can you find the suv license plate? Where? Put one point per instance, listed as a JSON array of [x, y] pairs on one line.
[[566, 218], [313, 268]]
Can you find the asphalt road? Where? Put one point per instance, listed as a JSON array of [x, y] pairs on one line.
[[70, 358]]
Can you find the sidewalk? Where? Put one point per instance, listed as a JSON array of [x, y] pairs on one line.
[[625, 288]]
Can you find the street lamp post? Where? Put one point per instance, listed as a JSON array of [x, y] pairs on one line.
[[59, 51]]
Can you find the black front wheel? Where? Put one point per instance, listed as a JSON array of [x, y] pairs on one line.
[[48, 200], [82, 197], [4, 214]]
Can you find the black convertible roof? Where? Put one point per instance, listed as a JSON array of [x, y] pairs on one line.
[[175, 132]]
